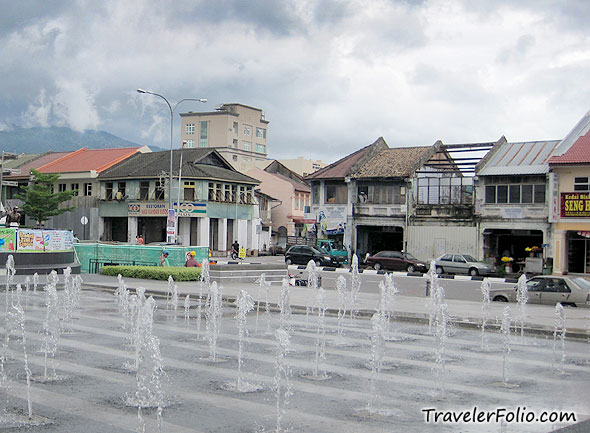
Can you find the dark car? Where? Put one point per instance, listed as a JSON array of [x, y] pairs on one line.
[[396, 261], [302, 254]]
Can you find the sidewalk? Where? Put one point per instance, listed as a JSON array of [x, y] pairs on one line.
[[539, 318]]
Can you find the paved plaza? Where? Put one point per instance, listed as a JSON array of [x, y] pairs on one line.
[[340, 391]]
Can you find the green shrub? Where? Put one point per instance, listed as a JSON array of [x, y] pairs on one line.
[[153, 272]]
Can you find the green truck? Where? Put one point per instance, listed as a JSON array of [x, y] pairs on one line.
[[327, 246]]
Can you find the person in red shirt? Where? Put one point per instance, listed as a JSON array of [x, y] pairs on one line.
[[191, 262], [139, 240]]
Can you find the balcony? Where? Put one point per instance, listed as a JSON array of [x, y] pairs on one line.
[[379, 210]]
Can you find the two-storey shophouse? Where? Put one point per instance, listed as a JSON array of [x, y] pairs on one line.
[[214, 204]]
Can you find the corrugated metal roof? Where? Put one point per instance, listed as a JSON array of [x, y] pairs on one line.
[[531, 157]]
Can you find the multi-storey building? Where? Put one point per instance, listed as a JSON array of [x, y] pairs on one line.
[[214, 202], [237, 131], [303, 166]]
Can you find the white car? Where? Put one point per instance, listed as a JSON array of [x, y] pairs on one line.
[[462, 264], [550, 290]]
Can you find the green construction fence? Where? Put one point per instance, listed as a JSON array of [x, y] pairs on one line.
[[93, 256]]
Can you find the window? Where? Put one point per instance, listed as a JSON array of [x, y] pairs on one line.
[[540, 193], [88, 189], [121, 186], [235, 128], [242, 195], [247, 130], [144, 190], [514, 190], [247, 145], [442, 190], [211, 191], [526, 194], [203, 136], [581, 184], [234, 192], [227, 194], [261, 133], [234, 157], [61, 187], [502, 194], [76, 188], [260, 148], [109, 191], [190, 128], [159, 191], [235, 143], [249, 195], [336, 193], [315, 193], [189, 144], [514, 193], [189, 191], [296, 201]]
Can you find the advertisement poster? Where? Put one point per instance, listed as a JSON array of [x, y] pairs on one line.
[[7, 240], [30, 240], [170, 224], [575, 205], [48, 240]]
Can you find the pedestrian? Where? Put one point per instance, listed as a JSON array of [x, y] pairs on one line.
[[139, 239], [164, 258], [191, 262]]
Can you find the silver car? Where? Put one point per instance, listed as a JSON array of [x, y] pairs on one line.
[[550, 290], [462, 264]]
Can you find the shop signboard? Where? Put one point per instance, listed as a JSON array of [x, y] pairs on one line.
[[147, 209], [191, 209], [575, 205]]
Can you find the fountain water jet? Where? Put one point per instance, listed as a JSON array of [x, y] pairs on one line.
[[559, 329], [282, 379], [505, 332], [485, 306], [213, 316], [522, 297], [379, 328], [245, 304]]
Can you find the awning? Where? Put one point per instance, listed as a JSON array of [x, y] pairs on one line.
[[300, 220]]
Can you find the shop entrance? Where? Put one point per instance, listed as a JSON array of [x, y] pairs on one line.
[[153, 229], [498, 243], [372, 239], [578, 253]]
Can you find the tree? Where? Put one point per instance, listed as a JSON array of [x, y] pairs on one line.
[[40, 202]]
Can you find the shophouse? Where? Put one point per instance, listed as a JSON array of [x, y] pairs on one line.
[[512, 209], [214, 204], [570, 201], [293, 196]]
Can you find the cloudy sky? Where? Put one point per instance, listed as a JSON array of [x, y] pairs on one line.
[[331, 76]]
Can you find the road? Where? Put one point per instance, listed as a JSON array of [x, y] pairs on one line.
[[459, 288]]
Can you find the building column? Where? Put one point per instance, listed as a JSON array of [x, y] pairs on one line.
[[184, 231], [560, 252], [242, 233], [251, 242], [131, 229], [222, 234], [203, 232]]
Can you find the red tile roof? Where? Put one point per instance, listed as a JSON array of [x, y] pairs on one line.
[[578, 153], [88, 159], [46, 158]]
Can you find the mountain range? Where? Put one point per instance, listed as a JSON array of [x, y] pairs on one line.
[[59, 139]]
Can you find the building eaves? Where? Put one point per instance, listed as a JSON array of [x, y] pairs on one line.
[[580, 129]]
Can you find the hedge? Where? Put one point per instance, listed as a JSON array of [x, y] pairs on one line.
[[179, 273]]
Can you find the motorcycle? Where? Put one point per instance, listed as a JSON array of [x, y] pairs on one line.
[[234, 254]]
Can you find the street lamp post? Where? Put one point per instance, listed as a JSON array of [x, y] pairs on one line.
[[171, 138]]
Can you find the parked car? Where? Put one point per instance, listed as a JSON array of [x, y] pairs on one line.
[[462, 264], [549, 289], [396, 261], [302, 254]]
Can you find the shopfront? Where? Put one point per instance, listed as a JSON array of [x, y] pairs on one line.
[[572, 233]]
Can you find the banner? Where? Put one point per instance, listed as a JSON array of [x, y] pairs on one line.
[[45, 240], [575, 204], [7, 240]]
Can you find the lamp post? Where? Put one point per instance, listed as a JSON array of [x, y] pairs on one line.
[[171, 139]]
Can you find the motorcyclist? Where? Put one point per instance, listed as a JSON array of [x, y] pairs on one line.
[[235, 250]]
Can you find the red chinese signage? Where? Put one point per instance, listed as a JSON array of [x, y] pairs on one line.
[[575, 204]]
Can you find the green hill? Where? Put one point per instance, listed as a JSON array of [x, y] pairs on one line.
[[59, 139]]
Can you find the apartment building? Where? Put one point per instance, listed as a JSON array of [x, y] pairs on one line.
[[237, 131]]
